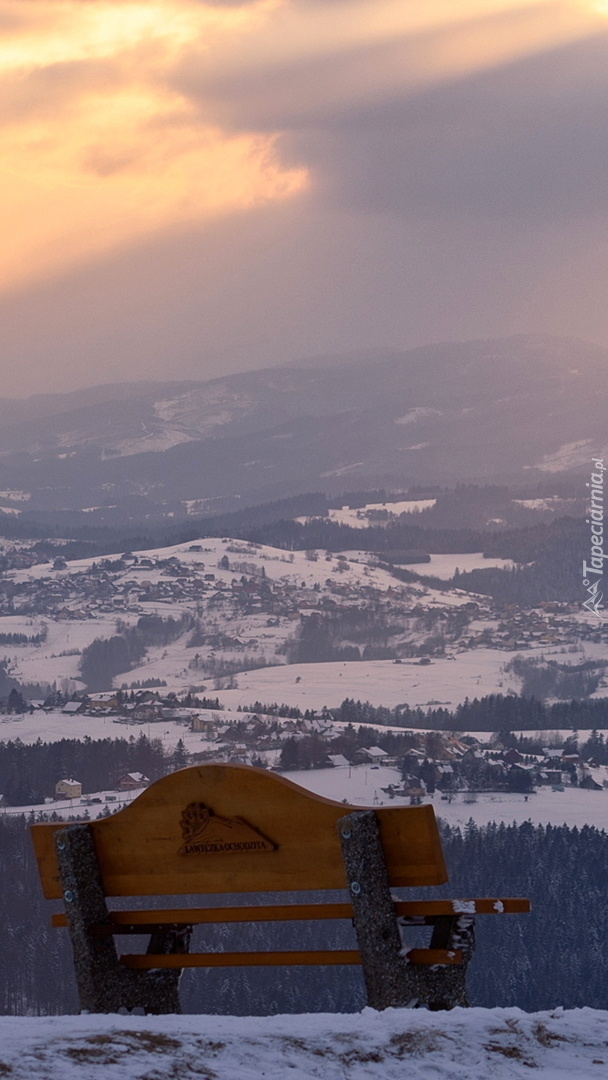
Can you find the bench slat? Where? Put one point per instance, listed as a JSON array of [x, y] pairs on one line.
[[240, 959], [148, 961], [286, 912]]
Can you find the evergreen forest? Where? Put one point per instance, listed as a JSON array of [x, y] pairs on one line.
[[556, 956]]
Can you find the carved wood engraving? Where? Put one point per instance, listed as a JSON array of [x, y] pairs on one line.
[[205, 832]]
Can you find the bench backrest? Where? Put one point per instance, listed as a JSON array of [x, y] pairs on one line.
[[233, 829]]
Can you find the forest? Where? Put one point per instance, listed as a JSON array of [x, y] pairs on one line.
[[556, 956], [28, 774], [494, 712]]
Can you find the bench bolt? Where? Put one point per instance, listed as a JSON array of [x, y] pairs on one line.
[[355, 888], [68, 896]]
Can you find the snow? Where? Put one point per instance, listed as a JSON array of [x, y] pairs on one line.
[[358, 518], [568, 456], [553, 502], [464, 1044], [362, 785], [472, 673], [444, 566], [56, 725], [573, 807], [420, 412]]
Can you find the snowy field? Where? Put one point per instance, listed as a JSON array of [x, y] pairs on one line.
[[471, 673], [53, 726], [360, 519], [398, 1044], [362, 785], [364, 516], [445, 566]]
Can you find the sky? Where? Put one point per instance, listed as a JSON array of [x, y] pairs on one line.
[[194, 188]]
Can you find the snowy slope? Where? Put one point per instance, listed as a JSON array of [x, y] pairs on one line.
[[399, 1044]]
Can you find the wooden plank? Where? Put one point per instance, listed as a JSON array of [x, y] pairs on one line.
[[329, 957], [240, 959], [142, 850], [286, 912], [434, 956], [489, 905]]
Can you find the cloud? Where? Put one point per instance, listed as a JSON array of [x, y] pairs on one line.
[[190, 187], [97, 149], [303, 71], [526, 143]]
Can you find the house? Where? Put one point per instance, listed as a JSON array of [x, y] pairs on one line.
[[413, 787], [68, 789], [590, 784], [175, 714], [106, 700], [132, 780], [148, 711], [337, 759], [71, 708], [371, 753], [205, 724], [513, 757]]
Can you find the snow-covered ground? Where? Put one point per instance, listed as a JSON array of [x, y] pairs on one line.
[[364, 516], [362, 785], [472, 673], [445, 566], [300, 581], [361, 519], [398, 1044], [53, 726]]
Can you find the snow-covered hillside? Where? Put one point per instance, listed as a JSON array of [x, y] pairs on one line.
[[249, 602], [399, 1044]]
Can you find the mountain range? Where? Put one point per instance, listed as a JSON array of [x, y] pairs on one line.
[[517, 410]]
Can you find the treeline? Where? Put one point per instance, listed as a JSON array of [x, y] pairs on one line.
[[553, 557], [105, 658], [28, 774], [496, 712], [556, 956], [23, 639]]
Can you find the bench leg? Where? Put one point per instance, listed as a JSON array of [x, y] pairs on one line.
[[389, 979], [453, 932], [104, 985]]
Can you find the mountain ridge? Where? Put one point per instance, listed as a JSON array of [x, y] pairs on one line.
[[494, 410]]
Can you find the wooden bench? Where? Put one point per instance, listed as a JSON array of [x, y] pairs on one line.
[[234, 829]]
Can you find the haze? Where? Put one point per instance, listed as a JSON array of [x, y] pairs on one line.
[[190, 189]]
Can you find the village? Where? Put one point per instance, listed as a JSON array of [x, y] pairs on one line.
[[189, 645], [421, 763], [250, 602]]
